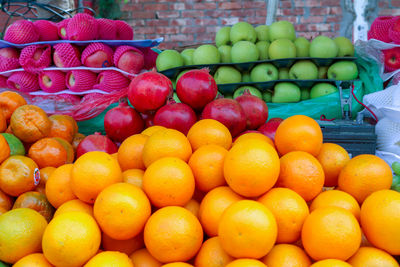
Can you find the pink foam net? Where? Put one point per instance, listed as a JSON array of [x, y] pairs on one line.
[[23, 81], [124, 30], [29, 63], [68, 54], [62, 25], [57, 79], [150, 57], [82, 27], [84, 80], [3, 82], [139, 60], [47, 30], [21, 32], [96, 47], [380, 28], [9, 63], [107, 30], [111, 80]]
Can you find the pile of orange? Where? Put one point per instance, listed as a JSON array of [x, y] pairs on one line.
[[166, 199]]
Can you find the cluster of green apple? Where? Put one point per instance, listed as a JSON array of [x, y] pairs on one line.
[[244, 43]]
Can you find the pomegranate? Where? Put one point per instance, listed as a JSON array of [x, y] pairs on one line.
[[228, 112], [96, 142], [176, 116], [255, 109], [196, 88], [148, 119], [149, 91], [269, 128], [122, 121]]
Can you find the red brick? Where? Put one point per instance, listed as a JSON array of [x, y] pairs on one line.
[[300, 27], [155, 7], [293, 12], [168, 14], [181, 37], [312, 19], [192, 14], [334, 19], [206, 22], [205, 37], [132, 7], [337, 27], [243, 13], [292, 19], [216, 13], [286, 4], [335, 11], [157, 22], [139, 36], [230, 5], [181, 22], [166, 46], [180, 6], [142, 14], [261, 13], [256, 20], [144, 30], [205, 6], [167, 30], [254, 4], [395, 3], [212, 29], [229, 21], [192, 29], [138, 22], [319, 27], [319, 11]]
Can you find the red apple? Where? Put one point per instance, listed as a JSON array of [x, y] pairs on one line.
[[52, 81], [96, 60], [392, 59], [269, 128], [66, 55], [9, 52], [396, 25], [129, 59], [97, 55]]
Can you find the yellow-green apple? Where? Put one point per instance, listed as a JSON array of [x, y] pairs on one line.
[[169, 59], [302, 47], [281, 30], [346, 47], [223, 36], [323, 47], [244, 51], [303, 70], [225, 52], [262, 33], [264, 72], [227, 74], [243, 31], [206, 54], [187, 56], [282, 48], [321, 89], [343, 71], [285, 92], [262, 47]]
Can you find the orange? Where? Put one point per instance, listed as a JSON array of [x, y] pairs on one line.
[[78, 137], [331, 233], [110, 258], [211, 254], [9, 102], [2, 210], [127, 246], [336, 198], [258, 136], [33, 260], [63, 126], [209, 132], [3, 123], [21, 233], [302, 173], [289, 209], [92, 172], [330, 263], [152, 129], [30, 123], [130, 152], [6, 201], [193, 206], [298, 133], [58, 188], [4, 149], [121, 210], [44, 176], [36, 201], [71, 239], [246, 263], [177, 264], [213, 206], [48, 152], [68, 147], [247, 229], [283, 255], [173, 234], [17, 175], [380, 220], [115, 155], [207, 164], [251, 167], [169, 182], [74, 205], [133, 176], [142, 258], [166, 143], [369, 256], [332, 158], [363, 175]]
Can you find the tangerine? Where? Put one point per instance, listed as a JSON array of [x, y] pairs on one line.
[[36, 201], [63, 126], [44, 176], [127, 246], [209, 132], [9, 102], [58, 189], [142, 258], [152, 129], [283, 255], [246, 263], [330, 263], [33, 260], [48, 152], [74, 205], [130, 152], [211, 254], [133, 176], [370, 256], [258, 136], [332, 158], [109, 258]]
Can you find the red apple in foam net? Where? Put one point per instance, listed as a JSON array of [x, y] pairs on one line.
[[129, 59], [392, 59], [96, 142], [52, 81], [9, 59], [269, 128], [97, 55], [9, 52], [66, 55]]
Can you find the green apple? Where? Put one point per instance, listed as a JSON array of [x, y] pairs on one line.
[[343, 71], [267, 96], [305, 93], [281, 30], [396, 167], [262, 33], [321, 89], [246, 77], [206, 54], [187, 56], [176, 98], [323, 72], [346, 47], [227, 74], [229, 96], [244, 51], [223, 36], [252, 90], [282, 48], [173, 83], [285, 92], [302, 47], [225, 52], [243, 31], [264, 72], [180, 74], [283, 73], [323, 47], [169, 59], [262, 47], [303, 70]]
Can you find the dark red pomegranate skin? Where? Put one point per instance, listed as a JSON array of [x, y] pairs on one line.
[[255, 109], [96, 142], [269, 128]]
